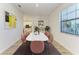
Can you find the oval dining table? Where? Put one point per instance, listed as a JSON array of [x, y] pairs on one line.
[[37, 42], [37, 37]]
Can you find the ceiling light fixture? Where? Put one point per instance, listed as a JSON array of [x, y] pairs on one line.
[[37, 5]]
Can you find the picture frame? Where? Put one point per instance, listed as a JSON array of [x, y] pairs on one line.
[[10, 20]]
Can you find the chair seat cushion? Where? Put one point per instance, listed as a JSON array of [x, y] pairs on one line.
[[37, 46]]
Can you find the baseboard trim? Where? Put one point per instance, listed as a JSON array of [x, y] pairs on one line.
[[12, 48]]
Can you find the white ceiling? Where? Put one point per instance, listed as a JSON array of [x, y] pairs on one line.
[[44, 9]]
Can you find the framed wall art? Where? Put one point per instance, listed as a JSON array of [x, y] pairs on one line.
[[10, 20]]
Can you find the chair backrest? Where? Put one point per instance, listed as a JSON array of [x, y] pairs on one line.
[[47, 34], [23, 37], [37, 46]]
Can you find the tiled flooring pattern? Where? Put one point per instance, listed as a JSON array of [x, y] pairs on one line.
[[13, 48]]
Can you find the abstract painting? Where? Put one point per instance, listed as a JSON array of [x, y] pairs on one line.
[[10, 20]]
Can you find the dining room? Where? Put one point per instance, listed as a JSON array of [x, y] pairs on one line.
[[39, 29], [34, 29]]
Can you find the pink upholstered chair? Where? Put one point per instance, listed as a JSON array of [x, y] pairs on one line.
[[23, 37], [37, 47], [50, 36], [47, 34]]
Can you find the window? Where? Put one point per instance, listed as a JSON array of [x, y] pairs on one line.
[[69, 19]]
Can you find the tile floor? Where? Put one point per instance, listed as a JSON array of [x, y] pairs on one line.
[[13, 48]]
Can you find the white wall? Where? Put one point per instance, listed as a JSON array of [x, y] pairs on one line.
[[9, 36], [33, 20], [70, 42], [27, 20], [37, 18]]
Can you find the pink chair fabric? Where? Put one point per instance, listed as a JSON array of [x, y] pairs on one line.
[[23, 37], [37, 46], [50, 36], [47, 34]]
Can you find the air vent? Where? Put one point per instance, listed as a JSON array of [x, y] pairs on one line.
[[19, 5]]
